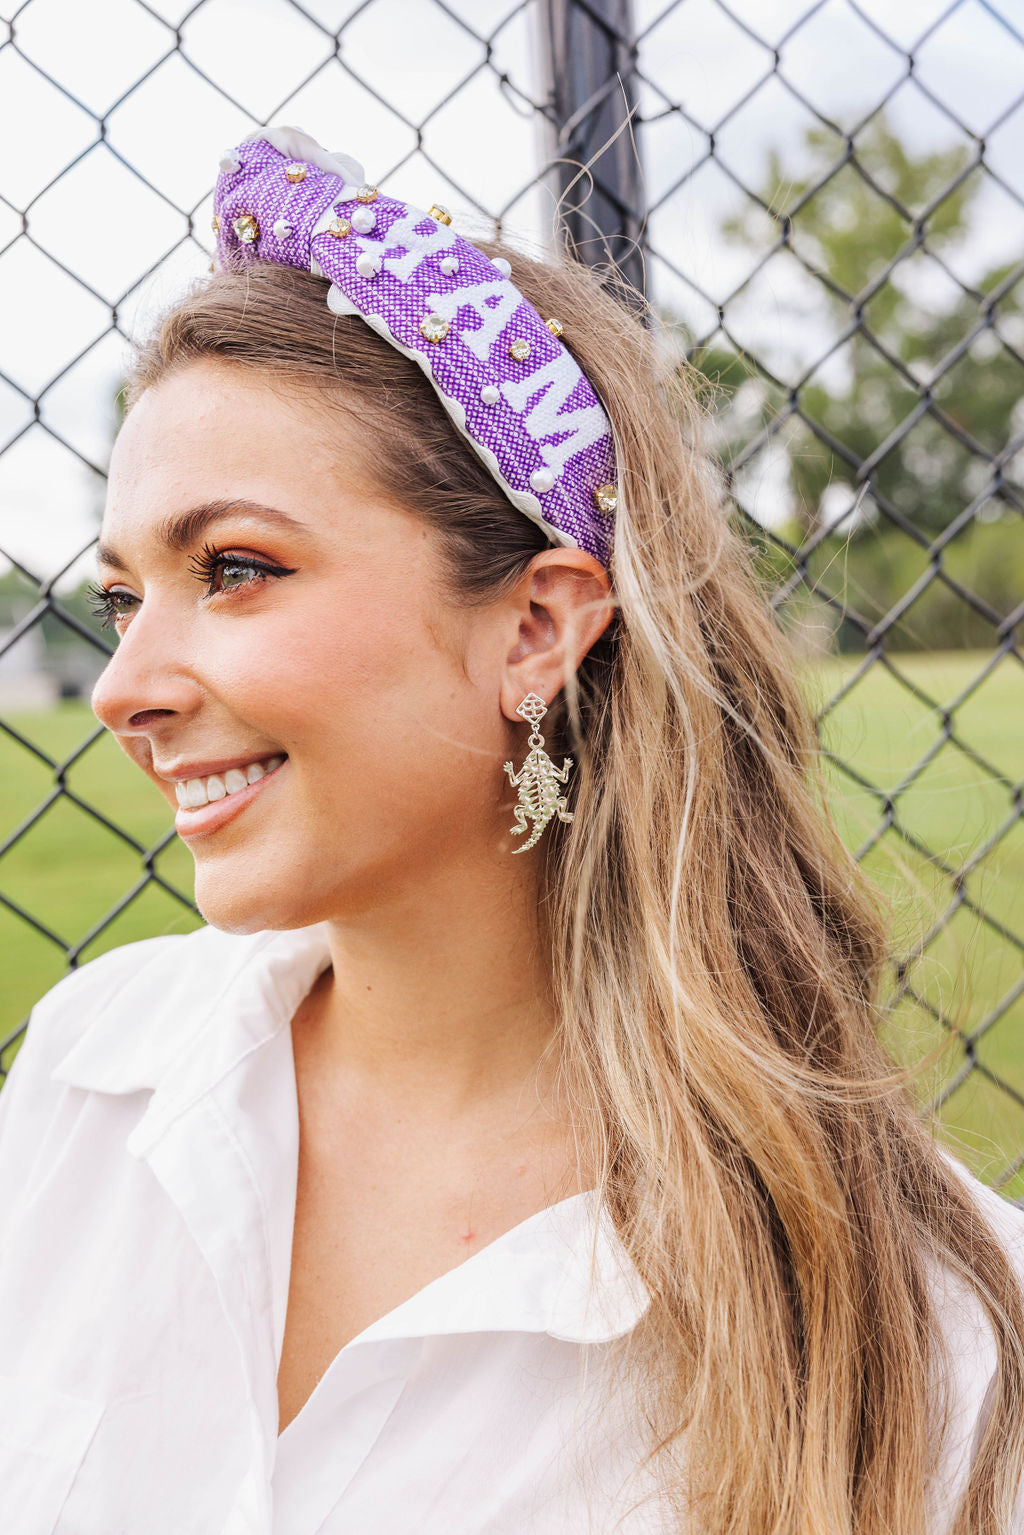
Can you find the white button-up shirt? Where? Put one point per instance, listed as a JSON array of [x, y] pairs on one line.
[[148, 1162]]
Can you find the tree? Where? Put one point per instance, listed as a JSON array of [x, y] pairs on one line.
[[930, 403]]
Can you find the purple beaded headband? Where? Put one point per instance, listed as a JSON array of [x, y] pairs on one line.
[[509, 384]]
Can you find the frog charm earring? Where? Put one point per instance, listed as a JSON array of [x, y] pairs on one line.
[[537, 779]]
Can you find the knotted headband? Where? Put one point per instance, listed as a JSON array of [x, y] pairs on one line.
[[511, 387]]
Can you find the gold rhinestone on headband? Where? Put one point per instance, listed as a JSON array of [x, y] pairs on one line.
[[434, 327]]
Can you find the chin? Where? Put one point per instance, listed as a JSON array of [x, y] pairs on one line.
[[274, 889], [240, 910]]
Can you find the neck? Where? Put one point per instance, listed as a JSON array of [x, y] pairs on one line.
[[442, 993]]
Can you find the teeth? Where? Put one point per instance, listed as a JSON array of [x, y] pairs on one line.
[[197, 792], [195, 789]]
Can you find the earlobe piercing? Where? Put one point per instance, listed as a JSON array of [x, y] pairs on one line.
[[537, 779]]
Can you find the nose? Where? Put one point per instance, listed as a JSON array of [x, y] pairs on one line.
[[148, 681]]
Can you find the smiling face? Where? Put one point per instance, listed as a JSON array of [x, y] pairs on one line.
[[322, 636]]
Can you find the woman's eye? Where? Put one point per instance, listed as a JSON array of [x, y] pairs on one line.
[[109, 606], [232, 572], [236, 573]]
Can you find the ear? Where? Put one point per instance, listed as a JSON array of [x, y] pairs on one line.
[[562, 605]]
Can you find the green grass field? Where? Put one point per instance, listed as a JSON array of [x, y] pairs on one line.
[[69, 871], [966, 798]]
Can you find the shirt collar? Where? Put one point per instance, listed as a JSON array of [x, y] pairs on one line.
[[197, 1007], [563, 1271], [190, 1011]]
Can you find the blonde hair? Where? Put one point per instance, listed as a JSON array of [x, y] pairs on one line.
[[716, 954]]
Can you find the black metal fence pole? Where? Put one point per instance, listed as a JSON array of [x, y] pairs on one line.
[[590, 55]]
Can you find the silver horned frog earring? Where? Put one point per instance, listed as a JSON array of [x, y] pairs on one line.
[[537, 779]]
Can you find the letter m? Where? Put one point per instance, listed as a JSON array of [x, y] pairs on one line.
[[546, 392]]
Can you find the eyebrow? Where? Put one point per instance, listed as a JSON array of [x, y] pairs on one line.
[[180, 531]]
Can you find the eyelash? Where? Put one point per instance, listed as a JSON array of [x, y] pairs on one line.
[[203, 565]]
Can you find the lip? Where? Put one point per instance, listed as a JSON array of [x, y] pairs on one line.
[[186, 770], [210, 818]]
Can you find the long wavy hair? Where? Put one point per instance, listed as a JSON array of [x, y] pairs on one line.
[[717, 955]]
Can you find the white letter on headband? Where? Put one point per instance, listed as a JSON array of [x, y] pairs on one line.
[[506, 380]]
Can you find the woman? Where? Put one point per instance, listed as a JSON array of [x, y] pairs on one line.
[[431, 1187]]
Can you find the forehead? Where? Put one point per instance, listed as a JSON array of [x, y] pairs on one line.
[[210, 429], [212, 433]]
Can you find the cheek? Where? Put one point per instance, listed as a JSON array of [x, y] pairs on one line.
[[355, 681]]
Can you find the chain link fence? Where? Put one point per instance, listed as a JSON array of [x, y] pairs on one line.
[[821, 201]]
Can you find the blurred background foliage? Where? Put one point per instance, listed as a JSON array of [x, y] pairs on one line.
[[922, 390]]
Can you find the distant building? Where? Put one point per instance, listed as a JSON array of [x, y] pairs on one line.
[[34, 673]]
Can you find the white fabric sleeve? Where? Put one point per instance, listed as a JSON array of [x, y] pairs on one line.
[[28, 1097], [970, 1344]]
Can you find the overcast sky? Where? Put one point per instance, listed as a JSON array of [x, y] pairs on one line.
[[402, 57]]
